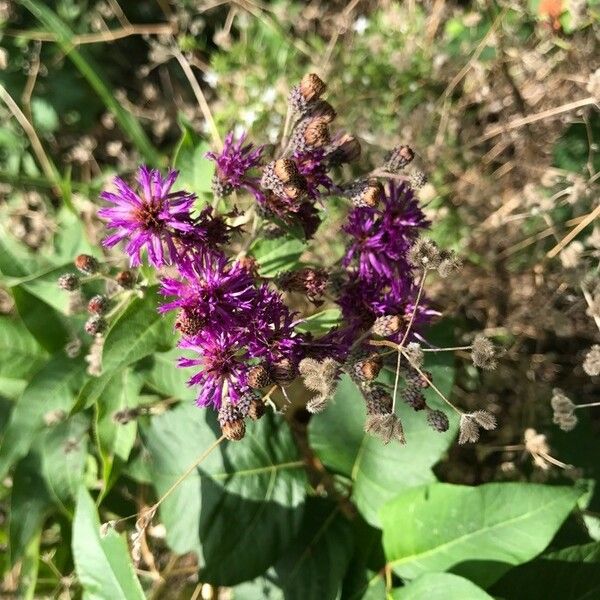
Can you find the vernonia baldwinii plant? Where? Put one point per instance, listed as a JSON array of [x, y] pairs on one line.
[[242, 333]]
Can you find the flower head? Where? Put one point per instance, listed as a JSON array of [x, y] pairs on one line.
[[153, 217], [233, 164], [223, 361]]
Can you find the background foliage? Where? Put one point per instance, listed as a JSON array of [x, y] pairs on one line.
[[498, 99]]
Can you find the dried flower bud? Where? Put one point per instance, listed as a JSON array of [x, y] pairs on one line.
[[368, 193], [398, 158], [425, 254], [413, 396], [312, 86], [189, 323], [468, 430], [69, 282], [484, 419], [343, 150], [368, 368], [95, 325], [283, 371], [591, 364], [321, 109], [387, 325], [87, 264], [437, 420], [258, 377], [483, 353], [317, 404], [316, 133], [126, 279], [378, 401], [219, 187], [98, 305], [386, 427], [256, 409], [415, 355], [285, 169], [231, 422], [321, 377]]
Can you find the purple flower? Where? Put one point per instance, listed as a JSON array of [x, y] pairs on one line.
[[313, 167], [272, 335], [383, 237], [152, 218], [233, 164], [223, 360], [211, 290]]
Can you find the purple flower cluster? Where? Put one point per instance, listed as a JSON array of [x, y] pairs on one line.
[[380, 279], [234, 323]]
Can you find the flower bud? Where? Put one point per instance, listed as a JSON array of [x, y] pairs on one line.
[[437, 420], [312, 86], [378, 401], [231, 422], [87, 264], [398, 158], [344, 150], [69, 282], [321, 109], [316, 134], [126, 279], [95, 325], [258, 377], [414, 397], [98, 305], [368, 368], [387, 325]]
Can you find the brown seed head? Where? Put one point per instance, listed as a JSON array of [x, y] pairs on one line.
[[316, 133], [285, 169], [258, 377]]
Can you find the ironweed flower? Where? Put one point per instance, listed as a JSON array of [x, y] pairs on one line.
[[233, 164], [153, 217]]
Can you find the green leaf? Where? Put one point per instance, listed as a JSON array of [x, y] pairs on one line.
[[277, 255], [30, 503], [440, 586], [51, 389], [244, 495], [321, 322], [92, 73], [378, 471], [116, 440], [44, 323], [195, 170], [65, 449], [165, 377], [569, 574], [20, 354], [137, 333], [102, 564], [439, 526], [44, 115]]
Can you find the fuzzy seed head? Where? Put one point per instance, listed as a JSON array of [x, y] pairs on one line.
[[417, 179], [425, 254], [98, 305], [449, 265], [95, 325], [386, 427], [414, 353], [483, 353], [468, 430], [591, 364]]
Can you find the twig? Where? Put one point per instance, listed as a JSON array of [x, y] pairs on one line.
[[582, 225], [187, 69], [47, 167]]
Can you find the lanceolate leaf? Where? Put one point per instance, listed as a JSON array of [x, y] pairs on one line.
[[439, 526], [20, 354], [103, 564], [378, 471], [244, 496], [569, 574], [50, 392], [440, 586]]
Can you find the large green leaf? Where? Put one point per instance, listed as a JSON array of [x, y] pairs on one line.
[[52, 388], [167, 378], [65, 449], [314, 565], [245, 496], [569, 574], [378, 471], [138, 332], [440, 586], [103, 566], [497, 525]]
